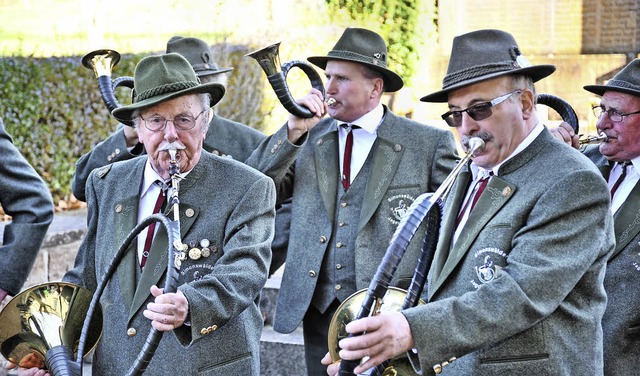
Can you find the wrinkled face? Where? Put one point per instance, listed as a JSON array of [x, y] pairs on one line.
[[623, 137], [504, 129], [189, 141], [354, 92]]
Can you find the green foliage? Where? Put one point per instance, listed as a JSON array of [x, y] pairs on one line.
[[53, 110], [400, 22]]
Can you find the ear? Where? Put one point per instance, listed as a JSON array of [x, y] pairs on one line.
[[378, 86], [528, 104]]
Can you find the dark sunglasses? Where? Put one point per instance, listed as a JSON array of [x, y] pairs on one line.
[[478, 111]]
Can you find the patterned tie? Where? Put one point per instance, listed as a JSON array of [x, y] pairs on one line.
[[346, 161], [152, 227], [478, 189], [624, 166]]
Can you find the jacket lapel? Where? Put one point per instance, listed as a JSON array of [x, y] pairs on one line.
[[328, 168], [157, 262], [490, 202], [451, 209], [125, 220], [386, 156], [627, 220]]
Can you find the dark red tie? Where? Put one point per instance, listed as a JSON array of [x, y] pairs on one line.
[[346, 161], [621, 178], [481, 185], [152, 227]]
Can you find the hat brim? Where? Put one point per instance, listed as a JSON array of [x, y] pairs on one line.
[[211, 72], [536, 73], [392, 81], [601, 89], [124, 114]]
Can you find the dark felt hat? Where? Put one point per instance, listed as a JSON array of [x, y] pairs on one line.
[[365, 47], [626, 81], [481, 55], [163, 77], [198, 53]]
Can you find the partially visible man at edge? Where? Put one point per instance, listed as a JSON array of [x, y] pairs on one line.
[[26, 198], [619, 119]]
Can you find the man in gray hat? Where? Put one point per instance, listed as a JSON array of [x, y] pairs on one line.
[[515, 287], [618, 159], [225, 137], [346, 209], [226, 212]]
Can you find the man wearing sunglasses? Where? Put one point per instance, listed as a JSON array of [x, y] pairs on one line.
[[515, 287], [618, 159]]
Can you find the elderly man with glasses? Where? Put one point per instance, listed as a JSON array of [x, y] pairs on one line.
[[618, 158], [516, 284], [226, 214]]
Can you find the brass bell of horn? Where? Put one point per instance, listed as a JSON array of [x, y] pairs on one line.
[[269, 61], [41, 327], [101, 62]]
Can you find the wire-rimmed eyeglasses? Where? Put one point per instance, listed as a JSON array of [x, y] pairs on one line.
[[479, 111], [613, 114], [156, 123]]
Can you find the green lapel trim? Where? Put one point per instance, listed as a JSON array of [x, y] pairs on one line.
[[385, 161], [328, 169], [157, 261], [125, 218], [627, 220], [456, 195], [497, 193]]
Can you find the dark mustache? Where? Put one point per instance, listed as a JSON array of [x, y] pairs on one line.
[[484, 136]]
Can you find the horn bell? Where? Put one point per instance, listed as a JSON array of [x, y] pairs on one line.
[[43, 317]]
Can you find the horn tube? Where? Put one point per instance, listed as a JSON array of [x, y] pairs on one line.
[[269, 60], [379, 296]]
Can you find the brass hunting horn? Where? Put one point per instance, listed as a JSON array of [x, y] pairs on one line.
[[269, 61], [379, 296], [101, 62]]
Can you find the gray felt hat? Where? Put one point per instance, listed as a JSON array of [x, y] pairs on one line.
[[626, 81], [481, 55], [160, 78], [198, 53], [365, 47]]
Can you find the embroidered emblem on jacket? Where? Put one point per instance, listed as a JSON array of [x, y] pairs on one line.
[[489, 261], [398, 206]]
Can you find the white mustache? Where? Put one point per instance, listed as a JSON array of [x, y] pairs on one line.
[[172, 145]]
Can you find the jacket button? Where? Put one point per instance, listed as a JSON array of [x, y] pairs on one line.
[[338, 287], [131, 332], [339, 245], [338, 266], [341, 224], [323, 239], [312, 273], [343, 204]]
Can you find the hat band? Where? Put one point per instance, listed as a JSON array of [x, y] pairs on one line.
[[622, 84], [202, 67], [163, 89], [475, 72], [348, 55]]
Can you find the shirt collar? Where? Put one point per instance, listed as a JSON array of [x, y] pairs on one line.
[[371, 120], [535, 132]]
